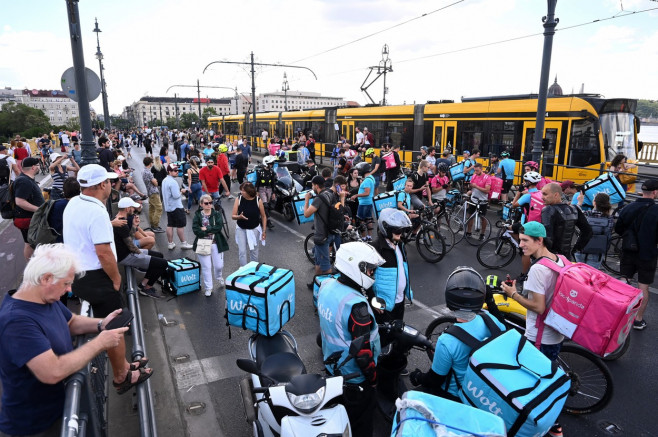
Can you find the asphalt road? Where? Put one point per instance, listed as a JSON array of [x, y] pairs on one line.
[[200, 389]]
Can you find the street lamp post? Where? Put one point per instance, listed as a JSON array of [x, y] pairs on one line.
[[285, 89], [550, 22], [99, 56]]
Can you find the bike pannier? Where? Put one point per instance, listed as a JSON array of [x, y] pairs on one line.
[[424, 415], [590, 307], [260, 298], [183, 275], [385, 200]]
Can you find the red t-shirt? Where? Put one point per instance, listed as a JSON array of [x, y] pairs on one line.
[[211, 177], [222, 163], [20, 153]]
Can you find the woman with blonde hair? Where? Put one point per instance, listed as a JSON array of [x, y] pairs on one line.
[[208, 226]]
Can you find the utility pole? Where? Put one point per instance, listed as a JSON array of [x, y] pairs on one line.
[[550, 22], [99, 56], [285, 89], [198, 93], [161, 121], [88, 145], [176, 106], [385, 66]]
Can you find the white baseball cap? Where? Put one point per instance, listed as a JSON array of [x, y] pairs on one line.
[[120, 158], [55, 155], [94, 174], [127, 202]]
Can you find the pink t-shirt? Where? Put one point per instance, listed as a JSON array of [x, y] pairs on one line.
[[439, 181], [481, 181]]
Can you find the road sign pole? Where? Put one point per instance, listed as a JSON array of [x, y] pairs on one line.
[[87, 144]]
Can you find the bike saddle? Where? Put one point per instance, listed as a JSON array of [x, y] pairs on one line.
[[266, 346], [280, 368]]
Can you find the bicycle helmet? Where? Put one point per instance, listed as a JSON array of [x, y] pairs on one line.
[[364, 168], [533, 165], [465, 290], [269, 160], [370, 151], [442, 167], [504, 155], [532, 176], [223, 148], [355, 259], [393, 221]]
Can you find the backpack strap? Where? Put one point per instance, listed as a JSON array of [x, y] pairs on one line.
[[547, 262]]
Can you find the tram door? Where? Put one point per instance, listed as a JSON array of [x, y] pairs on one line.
[[444, 135], [347, 129], [241, 131], [288, 129], [550, 155]]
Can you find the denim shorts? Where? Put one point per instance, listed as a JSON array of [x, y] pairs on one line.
[[364, 212], [321, 253], [551, 350]]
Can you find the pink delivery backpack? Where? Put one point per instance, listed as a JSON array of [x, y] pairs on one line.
[[590, 307]]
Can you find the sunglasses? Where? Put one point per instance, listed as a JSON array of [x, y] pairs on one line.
[[207, 203]]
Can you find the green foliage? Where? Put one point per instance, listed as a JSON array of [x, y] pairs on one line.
[[23, 120], [187, 119], [73, 124], [171, 122], [120, 123], [154, 123], [207, 112], [647, 108]]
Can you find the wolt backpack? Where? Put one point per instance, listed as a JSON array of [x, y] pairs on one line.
[[40, 231], [536, 205]]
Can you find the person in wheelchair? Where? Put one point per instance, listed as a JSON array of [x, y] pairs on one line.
[[465, 294]]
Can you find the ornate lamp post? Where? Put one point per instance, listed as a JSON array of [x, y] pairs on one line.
[[99, 56]]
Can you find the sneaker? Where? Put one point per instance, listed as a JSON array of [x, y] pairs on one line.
[[171, 245], [639, 324], [208, 293], [158, 230], [556, 431], [148, 292], [231, 197], [467, 234], [270, 225], [221, 282], [185, 245], [368, 238], [481, 238], [310, 286], [404, 372]]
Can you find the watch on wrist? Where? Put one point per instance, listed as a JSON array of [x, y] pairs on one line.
[[100, 325]]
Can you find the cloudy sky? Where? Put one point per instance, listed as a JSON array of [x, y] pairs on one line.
[[440, 49]]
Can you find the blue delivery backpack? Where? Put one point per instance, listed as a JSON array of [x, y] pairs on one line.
[[509, 377], [453, 197], [457, 171], [606, 183], [183, 276], [398, 184], [298, 206], [251, 177], [317, 282], [423, 415], [385, 200], [260, 298]]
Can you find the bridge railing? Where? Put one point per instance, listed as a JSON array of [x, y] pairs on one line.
[[649, 153]]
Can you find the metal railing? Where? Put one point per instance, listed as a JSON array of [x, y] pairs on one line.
[[649, 153], [147, 425]]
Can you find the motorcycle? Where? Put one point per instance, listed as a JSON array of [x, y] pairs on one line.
[[281, 399], [286, 189]]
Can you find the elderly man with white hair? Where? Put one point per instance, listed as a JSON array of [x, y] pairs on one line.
[[36, 353]]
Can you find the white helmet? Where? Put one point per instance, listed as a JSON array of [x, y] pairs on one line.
[[532, 176], [269, 160], [355, 259]]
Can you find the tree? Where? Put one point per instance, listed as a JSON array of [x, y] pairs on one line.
[[187, 119], [171, 123], [207, 112], [120, 123], [23, 120], [647, 109], [73, 124]]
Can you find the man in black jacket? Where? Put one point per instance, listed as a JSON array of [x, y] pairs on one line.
[[641, 219], [561, 221]]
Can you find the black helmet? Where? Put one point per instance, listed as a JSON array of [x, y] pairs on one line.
[[465, 290], [442, 167], [363, 167]]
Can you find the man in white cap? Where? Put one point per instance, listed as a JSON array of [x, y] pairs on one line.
[[87, 228], [171, 200]]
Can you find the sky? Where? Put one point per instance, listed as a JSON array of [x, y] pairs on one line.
[[439, 49]]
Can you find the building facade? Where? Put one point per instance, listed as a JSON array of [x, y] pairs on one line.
[[54, 103], [295, 100], [150, 108]]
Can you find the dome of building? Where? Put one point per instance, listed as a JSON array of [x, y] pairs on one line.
[[555, 89]]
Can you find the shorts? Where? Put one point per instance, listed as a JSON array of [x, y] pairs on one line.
[[551, 351], [176, 218], [364, 212], [482, 208], [507, 185], [96, 288], [321, 253], [232, 165], [140, 261], [629, 265], [378, 180]]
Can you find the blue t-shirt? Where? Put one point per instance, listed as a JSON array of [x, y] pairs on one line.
[[405, 198], [509, 166], [368, 182], [451, 353], [28, 329]]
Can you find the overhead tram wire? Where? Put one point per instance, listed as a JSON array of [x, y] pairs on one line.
[[464, 49], [378, 32]]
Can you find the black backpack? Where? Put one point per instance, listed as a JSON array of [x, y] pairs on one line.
[[5, 171], [336, 217], [40, 231], [601, 232]]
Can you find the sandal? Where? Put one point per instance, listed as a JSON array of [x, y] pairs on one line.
[[140, 364], [127, 384]]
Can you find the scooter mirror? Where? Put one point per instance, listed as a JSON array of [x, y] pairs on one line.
[[333, 358], [356, 345], [247, 365], [378, 303]]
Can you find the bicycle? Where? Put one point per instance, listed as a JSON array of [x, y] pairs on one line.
[[591, 381], [447, 224], [498, 252], [474, 221], [611, 259], [429, 242], [352, 233], [44, 165], [217, 204]]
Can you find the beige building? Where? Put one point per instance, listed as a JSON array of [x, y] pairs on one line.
[[54, 103], [296, 100], [149, 108]]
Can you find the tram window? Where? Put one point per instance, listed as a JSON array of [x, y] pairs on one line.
[[584, 147], [377, 129], [428, 128], [470, 136], [399, 133], [505, 136]]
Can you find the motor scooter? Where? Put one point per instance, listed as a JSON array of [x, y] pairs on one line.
[[286, 189], [281, 399]]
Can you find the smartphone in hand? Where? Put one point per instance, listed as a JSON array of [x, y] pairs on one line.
[[121, 320]]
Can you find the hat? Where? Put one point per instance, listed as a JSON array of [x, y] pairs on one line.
[[92, 174], [567, 184], [423, 148], [127, 202], [55, 155], [466, 152], [318, 180], [30, 161], [121, 158], [534, 229], [172, 167], [648, 185], [136, 197], [2, 148]]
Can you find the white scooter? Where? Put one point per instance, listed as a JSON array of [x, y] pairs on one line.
[[281, 399]]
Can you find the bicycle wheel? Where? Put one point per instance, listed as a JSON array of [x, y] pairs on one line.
[[612, 257], [309, 246], [430, 245], [591, 381], [477, 236], [448, 236], [456, 224], [437, 327], [496, 253], [226, 228]]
